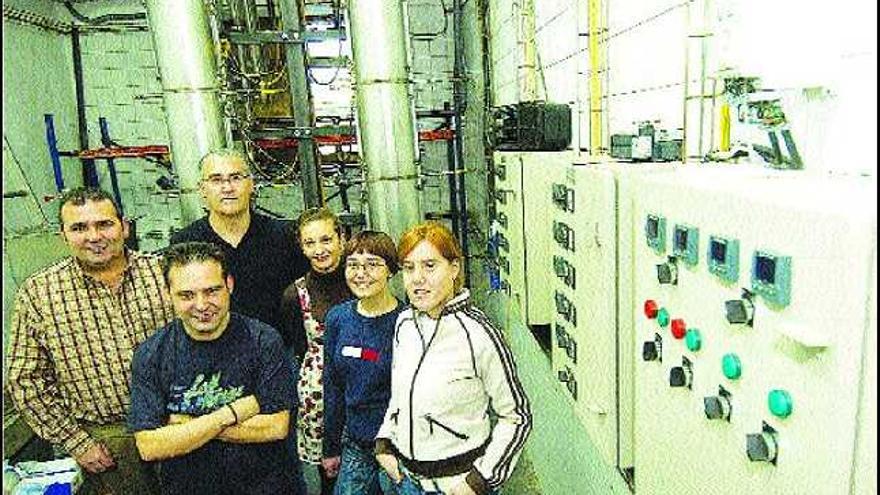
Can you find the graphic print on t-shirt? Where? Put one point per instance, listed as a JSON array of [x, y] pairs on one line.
[[202, 397]]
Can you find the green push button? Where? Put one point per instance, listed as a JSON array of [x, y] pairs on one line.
[[780, 403], [693, 340], [663, 317], [731, 366]]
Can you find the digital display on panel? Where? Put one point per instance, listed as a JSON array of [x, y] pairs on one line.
[[718, 250], [681, 239], [652, 227], [765, 269]]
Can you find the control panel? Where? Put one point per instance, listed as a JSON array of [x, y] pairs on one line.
[[750, 320], [584, 267], [521, 234]]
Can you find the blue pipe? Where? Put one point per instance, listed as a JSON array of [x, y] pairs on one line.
[[53, 151]]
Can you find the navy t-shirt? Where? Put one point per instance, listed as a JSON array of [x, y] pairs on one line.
[[174, 374], [265, 262], [357, 374]]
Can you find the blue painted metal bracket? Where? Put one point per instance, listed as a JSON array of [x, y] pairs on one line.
[[55, 156]]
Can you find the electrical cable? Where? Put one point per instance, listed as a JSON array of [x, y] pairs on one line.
[[23, 176], [103, 19]]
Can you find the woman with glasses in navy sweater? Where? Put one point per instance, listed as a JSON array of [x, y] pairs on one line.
[[357, 364]]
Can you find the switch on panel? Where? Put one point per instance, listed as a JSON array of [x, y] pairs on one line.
[[663, 317], [563, 197], [566, 376], [780, 403], [667, 273], [564, 271], [718, 406], [762, 447], [693, 339], [681, 376], [731, 366], [563, 235], [650, 308], [652, 350], [678, 328], [565, 308], [740, 311]]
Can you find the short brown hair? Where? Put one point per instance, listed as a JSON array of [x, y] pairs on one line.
[[373, 242], [78, 197], [192, 252], [440, 237]]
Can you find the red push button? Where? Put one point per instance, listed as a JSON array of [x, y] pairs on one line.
[[651, 309], [679, 329]]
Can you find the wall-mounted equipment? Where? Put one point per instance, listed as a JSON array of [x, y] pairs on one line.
[[655, 233], [771, 277], [685, 244], [723, 258], [532, 126]]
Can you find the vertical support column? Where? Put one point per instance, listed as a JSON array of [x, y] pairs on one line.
[[385, 117], [528, 89], [301, 99], [90, 172], [596, 69], [185, 54]]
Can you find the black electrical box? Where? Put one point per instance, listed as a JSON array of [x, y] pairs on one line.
[[532, 126]]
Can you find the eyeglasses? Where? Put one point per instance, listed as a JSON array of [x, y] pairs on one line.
[[371, 266], [233, 179]]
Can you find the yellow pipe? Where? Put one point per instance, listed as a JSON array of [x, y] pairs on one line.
[[724, 127], [595, 27]]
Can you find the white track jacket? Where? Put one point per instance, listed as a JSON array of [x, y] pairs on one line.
[[446, 375]]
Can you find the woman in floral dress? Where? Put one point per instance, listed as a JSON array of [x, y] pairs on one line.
[[306, 302]]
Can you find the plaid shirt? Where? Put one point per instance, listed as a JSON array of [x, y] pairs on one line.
[[73, 339]]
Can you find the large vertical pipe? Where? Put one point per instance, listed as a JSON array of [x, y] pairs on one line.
[[384, 114], [301, 100], [185, 55]]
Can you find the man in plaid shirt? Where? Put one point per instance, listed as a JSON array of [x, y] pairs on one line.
[[75, 327]]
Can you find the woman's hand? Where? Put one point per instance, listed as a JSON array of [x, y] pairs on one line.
[[331, 466], [462, 489], [389, 464]]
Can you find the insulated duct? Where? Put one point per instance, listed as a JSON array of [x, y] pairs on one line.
[[387, 133], [185, 55]]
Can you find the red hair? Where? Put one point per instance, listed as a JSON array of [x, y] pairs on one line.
[[440, 237]]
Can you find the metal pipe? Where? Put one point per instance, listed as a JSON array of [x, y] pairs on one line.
[[385, 116], [185, 55], [300, 96], [89, 172], [459, 94]]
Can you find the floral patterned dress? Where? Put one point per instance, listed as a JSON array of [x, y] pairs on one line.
[[310, 421]]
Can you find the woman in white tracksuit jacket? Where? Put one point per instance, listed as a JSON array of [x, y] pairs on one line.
[[451, 367]]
